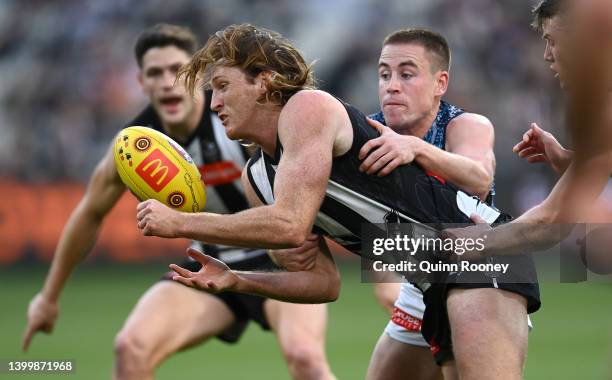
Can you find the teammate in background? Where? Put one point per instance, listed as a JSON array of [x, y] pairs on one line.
[[307, 174], [413, 74], [150, 334]]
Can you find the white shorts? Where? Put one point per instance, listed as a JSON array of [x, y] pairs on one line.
[[407, 317]]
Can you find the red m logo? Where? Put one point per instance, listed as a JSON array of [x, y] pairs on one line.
[[157, 170]]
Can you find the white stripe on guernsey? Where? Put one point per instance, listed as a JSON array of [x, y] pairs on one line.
[[237, 255], [331, 226], [371, 210], [260, 175], [230, 150], [195, 151]]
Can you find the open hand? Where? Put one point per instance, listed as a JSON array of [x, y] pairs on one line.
[[214, 276]]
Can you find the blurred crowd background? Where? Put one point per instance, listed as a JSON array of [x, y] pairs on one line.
[[68, 73]]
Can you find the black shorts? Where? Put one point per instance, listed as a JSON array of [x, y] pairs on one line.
[[436, 327], [245, 307]]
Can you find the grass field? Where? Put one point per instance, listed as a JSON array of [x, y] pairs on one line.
[[572, 338]]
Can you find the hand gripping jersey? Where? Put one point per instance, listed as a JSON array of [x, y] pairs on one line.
[[436, 135]]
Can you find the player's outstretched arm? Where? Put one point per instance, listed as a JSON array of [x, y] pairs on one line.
[[308, 127], [318, 285], [574, 199], [79, 234]]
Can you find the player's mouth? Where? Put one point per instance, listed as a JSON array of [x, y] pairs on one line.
[[393, 103], [171, 103], [223, 118], [554, 70]]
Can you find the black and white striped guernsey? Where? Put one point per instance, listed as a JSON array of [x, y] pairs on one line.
[[352, 198]]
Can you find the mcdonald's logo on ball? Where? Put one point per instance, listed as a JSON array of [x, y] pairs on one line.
[[152, 167]]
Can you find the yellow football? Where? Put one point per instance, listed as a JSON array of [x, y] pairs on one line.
[[153, 166]]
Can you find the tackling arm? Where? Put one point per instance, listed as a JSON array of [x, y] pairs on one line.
[[571, 201], [469, 161]]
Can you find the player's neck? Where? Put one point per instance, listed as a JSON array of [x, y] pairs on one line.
[[265, 127]]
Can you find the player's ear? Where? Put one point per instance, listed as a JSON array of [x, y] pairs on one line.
[[265, 77], [140, 78], [441, 83]]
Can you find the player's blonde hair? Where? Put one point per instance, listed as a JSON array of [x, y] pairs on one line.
[[254, 50]]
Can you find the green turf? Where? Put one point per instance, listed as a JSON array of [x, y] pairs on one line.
[[571, 340]]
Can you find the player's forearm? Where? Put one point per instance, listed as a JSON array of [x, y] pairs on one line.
[[562, 160], [320, 284], [260, 227], [297, 287], [571, 201], [77, 238], [466, 173], [534, 231]]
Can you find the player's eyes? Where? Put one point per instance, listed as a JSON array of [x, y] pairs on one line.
[[407, 75], [384, 76], [153, 73]]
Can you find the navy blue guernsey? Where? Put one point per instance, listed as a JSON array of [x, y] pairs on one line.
[[352, 198], [436, 135]]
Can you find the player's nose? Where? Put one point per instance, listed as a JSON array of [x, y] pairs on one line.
[[216, 102], [548, 55], [393, 84], [168, 79]]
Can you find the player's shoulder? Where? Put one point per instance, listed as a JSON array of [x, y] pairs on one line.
[[471, 120], [307, 101]]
